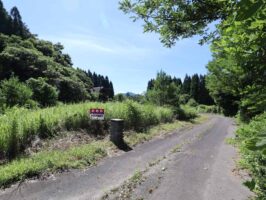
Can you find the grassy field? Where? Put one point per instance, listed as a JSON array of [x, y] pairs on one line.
[[77, 156], [18, 127]]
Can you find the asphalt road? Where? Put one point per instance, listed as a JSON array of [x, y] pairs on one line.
[[202, 169]]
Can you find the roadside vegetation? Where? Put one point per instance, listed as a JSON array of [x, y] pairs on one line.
[[51, 161], [251, 139], [20, 126]]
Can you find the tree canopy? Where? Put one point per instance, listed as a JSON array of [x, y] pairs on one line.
[[192, 87], [175, 20]]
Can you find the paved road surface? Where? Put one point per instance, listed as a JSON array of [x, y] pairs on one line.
[[202, 170]]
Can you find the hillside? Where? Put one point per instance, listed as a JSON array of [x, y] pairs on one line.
[[41, 63]]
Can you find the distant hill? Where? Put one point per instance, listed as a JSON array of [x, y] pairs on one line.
[[130, 94]]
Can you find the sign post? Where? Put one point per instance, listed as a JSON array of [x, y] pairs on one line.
[[96, 113]]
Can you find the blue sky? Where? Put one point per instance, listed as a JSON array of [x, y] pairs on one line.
[[99, 37]]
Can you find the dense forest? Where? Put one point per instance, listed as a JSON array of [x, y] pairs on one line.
[[35, 72]]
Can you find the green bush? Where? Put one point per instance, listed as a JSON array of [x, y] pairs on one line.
[[207, 109], [252, 140], [185, 112], [120, 97], [72, 91], [14, 92], [184, 98], [192, 102], [43, 93]]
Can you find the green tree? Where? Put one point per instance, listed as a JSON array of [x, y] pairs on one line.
[[186, 85], [238, 66], [15, 92], [164, 91], [204, 95], [150, 84], [4, 20], [43, 93], [72, 91], [194, 87], [111, 90], [18, 27]]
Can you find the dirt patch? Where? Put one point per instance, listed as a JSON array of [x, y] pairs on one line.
[[63, 141]]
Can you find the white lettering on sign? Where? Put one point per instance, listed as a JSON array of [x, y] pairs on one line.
[[96, 113]]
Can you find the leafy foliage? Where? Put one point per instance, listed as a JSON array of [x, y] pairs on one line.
[[164, 91], [175, 20], [15, 93], [252, 140], [43, 93], [238, 66]]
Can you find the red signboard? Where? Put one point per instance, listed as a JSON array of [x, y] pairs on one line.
[[97, 114]]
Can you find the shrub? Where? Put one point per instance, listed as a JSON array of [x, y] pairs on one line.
[[184, 98], [71, 91], [134, 116], [207, 109], [120, 97], [185, 113], [192, 102], [15, 92], [43, 93], [252, 140]]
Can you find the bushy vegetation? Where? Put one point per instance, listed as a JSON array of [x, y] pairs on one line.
[[43, 93], [48, 122], [163, 91], [252, 141], [13, 92], [208, 109], [185, 112]]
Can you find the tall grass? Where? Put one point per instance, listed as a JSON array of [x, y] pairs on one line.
[[19, 126]]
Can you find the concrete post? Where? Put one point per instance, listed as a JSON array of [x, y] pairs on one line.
[[116, 130]]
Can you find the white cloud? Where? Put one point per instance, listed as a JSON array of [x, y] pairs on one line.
[[91, 43]]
